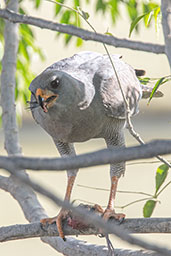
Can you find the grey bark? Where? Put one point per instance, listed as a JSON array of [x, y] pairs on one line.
[[72, 247], [8, 85], [100, 157], [93, 219], [23, 231], [166, 24], [84, 34]]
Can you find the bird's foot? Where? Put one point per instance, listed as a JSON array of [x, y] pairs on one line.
[[48, 220], [58, 219], [110, 213]]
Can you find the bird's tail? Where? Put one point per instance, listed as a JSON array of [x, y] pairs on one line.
[[139, 72], [146, 90]]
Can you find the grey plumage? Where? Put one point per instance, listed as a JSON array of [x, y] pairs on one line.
[[89, 96]]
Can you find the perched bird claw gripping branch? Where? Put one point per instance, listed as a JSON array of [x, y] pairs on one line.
[[77, 99]]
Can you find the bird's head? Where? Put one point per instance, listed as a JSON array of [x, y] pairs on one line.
[[55, 88]]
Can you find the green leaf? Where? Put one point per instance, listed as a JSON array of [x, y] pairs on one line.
[[158, 83], [66, 17], [2, 25], [37, 3], [109, 34], [144, 80], [147, 18], [157, 16], [148, 7], [58, 7], [101, 6], [1, 51], [25, 29], [114, 10], [22, 11], [76, 3], [67, 38], [23, 49], [156, 13], [79, 42], [132, 9], [149, 208], [135, 22], [85, 15], [161, 175]]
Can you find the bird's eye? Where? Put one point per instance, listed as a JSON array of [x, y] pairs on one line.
[[55, 83]]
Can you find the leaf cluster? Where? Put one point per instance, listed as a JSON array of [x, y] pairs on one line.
[[161, 174], [158, 82], [150, 11]]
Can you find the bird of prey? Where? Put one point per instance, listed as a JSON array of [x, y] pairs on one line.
[[77, 99]]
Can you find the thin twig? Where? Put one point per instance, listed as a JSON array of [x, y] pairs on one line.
[[163, 188], [146, 162], [134, 202], [118, 191]]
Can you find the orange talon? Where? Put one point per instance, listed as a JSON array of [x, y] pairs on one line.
[[109, 213], [48, 220], [63, 213]]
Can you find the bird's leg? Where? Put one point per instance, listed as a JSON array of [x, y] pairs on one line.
[[63, 213], [110, 212], [64, 149], [116, 170]]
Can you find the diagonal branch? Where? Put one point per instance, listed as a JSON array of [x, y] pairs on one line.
[[34, 212], [82, 33], [100, 157], [89, 218]]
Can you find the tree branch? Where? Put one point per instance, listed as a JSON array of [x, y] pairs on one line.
[[82, 33], [94, 250], [100, 157], [166, 24], [90, 218], [4, 183], [8, 85], [23, 231], [73, 247]]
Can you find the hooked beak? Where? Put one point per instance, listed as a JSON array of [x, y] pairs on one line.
[[45, 98]]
